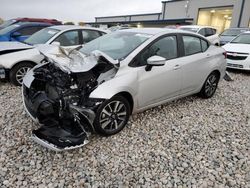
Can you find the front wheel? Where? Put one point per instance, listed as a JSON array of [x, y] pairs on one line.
[[210, 85], [18, 72], [112, 116]]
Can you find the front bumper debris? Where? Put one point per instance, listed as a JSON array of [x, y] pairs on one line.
[[53, 147], [228, 77]]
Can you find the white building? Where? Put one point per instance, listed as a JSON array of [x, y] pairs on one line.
[[221, 14]]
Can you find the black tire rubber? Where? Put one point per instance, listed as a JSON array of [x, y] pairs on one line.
[[203, 94], [14, 70], [97, 124]]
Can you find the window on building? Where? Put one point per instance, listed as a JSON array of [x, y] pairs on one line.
[[219, 18]]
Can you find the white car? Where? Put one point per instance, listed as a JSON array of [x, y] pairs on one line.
[[238, 52], [209, 32], [97, 88], [17, 58]]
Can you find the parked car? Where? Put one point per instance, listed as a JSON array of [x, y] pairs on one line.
[[119, 27], [97, 88], [17, 58], [21, 31], [230, 34], [238, 52], [209, 32], [18, 20]]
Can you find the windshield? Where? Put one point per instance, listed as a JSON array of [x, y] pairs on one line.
[[194, 30], [42, 36], [7, 23], [233, 32], [242, 39], [117, 45], [8, 29]]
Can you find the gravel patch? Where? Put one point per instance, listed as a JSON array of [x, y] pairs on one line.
[[187, 143]]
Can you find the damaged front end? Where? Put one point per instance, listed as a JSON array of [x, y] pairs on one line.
[[56, 94]]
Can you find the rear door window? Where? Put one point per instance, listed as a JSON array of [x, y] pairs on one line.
[[202, 32], [69, 38], [89, 35], [204, 45], [192, 45], [209, 32]]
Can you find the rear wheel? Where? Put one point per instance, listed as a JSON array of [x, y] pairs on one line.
[[112, 116], [210, 85], [18, 72]]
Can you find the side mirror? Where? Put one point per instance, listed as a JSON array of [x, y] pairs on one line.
[[56, 44], [155, 61], [16, 34]]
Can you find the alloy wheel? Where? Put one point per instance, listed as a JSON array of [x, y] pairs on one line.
[[21, 73], [113, 116], [211, 85]]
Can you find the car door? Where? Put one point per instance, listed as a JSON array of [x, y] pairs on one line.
[[69, 39], [161, 82], [195, 62]]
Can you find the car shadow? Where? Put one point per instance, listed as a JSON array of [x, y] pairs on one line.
[[236, 71]]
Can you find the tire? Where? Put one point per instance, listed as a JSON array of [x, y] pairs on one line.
[[18, 72], [112, 116], [210, 85]]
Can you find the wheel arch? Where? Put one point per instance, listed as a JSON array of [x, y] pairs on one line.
[[129, 97], [23, 61]]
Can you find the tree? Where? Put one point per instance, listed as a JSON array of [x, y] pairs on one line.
[[1, 20], [69, 23], [81, 23]]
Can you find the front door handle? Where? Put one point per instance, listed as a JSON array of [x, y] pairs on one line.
[[208, 56], [176, 67]]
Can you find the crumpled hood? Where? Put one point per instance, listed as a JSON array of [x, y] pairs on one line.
[[14, 46], [70, 60], [238, 48]]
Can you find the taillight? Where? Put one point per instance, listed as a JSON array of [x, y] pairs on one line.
[[225, 54]]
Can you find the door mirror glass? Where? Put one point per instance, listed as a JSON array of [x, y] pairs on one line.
[[16, 34], [156, 61]]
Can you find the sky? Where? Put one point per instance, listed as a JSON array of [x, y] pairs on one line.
[[75, 10]]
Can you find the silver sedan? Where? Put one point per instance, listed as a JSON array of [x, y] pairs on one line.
[[97, 88]]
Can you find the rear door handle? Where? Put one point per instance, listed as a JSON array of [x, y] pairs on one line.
[[176, 67]]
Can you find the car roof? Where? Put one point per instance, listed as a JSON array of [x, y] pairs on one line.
[[32, 23], [153, 31], [196, 26], [70, 27]]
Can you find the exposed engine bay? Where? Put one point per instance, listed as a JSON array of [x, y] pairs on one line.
[[56, 94]]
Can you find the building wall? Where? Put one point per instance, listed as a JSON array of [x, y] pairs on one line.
[[129, 18], [176, 9], [245, 22]]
